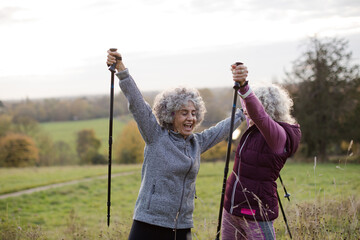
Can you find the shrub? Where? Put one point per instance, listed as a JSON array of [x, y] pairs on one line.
[[18, 150], [218, 152], [129, 145], [88, 146]]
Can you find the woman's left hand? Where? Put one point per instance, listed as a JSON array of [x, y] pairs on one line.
[[240, 73]]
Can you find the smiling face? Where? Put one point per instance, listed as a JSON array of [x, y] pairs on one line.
[[185, 119]]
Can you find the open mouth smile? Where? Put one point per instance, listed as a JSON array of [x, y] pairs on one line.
[[188, 127]]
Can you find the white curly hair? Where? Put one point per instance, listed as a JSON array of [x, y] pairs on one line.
[[276, 101], [169, 101]]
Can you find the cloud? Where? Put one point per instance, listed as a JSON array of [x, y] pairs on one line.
[[212, 5], [308, 9], [12, 15], [100, 4]]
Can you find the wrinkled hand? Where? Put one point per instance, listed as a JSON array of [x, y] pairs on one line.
[[240, 73], [114, 57]]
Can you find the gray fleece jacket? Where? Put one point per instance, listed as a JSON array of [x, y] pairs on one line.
[[171, 163]]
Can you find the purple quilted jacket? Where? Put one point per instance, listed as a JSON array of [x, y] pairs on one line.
[[251, 187]]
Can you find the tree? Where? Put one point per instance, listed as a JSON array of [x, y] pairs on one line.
[[214, 113], [88, 146], [322, 80], [25, 124], [46, 148], [351, 127], [18, 150], [80, 109], [2, 107], [5, 124], [63, 154], [129, 146]]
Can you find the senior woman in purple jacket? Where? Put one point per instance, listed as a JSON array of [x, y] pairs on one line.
[[251, 203]]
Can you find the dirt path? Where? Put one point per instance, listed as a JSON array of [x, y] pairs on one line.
[[56, 185]]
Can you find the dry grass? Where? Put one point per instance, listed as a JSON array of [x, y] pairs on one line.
[[333, 219]]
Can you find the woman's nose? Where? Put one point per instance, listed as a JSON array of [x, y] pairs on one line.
[[190, 117]]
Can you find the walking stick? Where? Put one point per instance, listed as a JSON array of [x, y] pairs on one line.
[[287, 195], [112, 70], [236, 88], [283, 213]]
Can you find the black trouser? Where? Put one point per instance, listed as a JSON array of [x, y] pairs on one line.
[[141, 230]]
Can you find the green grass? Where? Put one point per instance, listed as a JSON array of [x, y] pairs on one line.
[[67, 131], [16, 179], [75, 209], [324, 205], [326, 181]]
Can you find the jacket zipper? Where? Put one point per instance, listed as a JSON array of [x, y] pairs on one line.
[[151, 195], [182, 196], [238, 176]]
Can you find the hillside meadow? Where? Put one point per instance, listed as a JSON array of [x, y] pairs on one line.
[[324, 203], [67, 131]]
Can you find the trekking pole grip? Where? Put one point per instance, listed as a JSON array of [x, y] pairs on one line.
[[113, 66], [236, 84]]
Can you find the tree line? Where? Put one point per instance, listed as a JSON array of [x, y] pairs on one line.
[[23, 143], [92, 107], [64, 109], [323, 82]]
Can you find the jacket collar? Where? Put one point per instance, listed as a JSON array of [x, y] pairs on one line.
[[178, 137]]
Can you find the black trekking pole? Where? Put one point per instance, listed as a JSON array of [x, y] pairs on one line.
[[283, 213], [112, 70], [287, 195], [226, 170]]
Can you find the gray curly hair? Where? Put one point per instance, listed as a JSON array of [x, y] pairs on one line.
[[169, 101], [276, 101]]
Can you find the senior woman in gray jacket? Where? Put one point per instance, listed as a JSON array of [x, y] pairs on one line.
[[165, 204]]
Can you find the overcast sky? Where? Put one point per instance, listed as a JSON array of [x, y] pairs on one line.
[[58, 48]]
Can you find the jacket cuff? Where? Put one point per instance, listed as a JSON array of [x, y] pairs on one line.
[[123, 74], [246, 93]]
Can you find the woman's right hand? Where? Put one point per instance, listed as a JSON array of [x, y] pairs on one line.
[[114, 57], [240, 73]]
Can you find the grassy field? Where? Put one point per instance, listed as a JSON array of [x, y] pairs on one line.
[[324, 204], [67, 131], [17, 179]]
